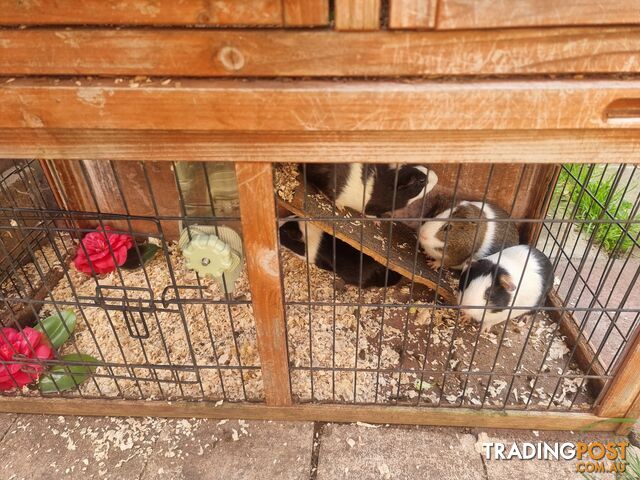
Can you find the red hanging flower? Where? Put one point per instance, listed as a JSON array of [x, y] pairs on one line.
[[25, 344], [97, 251]]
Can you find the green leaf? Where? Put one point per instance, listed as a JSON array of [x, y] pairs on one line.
[[67, 377], [133, 261], [421, 385], [59, 327]]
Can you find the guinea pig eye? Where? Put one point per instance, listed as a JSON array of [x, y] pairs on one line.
[[447, 227], [486, 294]]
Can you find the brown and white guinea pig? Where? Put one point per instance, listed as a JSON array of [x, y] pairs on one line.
[[460, 234], [295, 236], [493, 287], [374, 186]]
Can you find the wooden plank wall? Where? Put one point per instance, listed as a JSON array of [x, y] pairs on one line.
[[357, 14], [305, 12], [350, 14], [463, 14], [412, 14], [92, 186], [262, 13]]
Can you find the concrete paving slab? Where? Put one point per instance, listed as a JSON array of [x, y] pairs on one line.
[[351, 451], [46, 447], [539, 469], [247, 450], [6, 419]]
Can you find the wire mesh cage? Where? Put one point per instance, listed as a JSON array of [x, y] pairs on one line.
[[400, 343], [148, 260], [156, 328]]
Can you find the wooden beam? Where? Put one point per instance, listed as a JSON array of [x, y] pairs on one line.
[[357, 14], [313, 106], [318, 53], [305, 13], [621, 397], [141, 12], [583, 353], [255, 181], [522, 13], [541, 199], [412, 14], [471, 146], [373, 240], [631, 416], [458, 417]]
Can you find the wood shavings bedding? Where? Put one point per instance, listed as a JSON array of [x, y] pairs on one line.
[[415, 335], [175, 344], [286, 180]]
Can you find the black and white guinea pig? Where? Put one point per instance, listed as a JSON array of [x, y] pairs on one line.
[[465, 236], [494, 287], [295, 236], [356, 184]]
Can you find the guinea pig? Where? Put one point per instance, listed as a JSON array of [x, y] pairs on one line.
[[374, 186], [295, 236], [494, 287], [460, 235]]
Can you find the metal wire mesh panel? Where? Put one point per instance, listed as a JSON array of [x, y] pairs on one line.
[[373, 276], [593, 241], [379, 265], [123, 258]]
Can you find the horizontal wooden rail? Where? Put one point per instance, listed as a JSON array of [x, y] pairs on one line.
[[474, 146], [313, 106], [457, 417], [318, 53]]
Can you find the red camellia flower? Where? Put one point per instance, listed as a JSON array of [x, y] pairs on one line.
[[97, 251], [25, 344]]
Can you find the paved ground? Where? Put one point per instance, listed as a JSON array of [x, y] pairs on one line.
[[46, 447]]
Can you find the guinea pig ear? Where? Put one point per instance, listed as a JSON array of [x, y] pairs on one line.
[[412, 178], [506, 282]]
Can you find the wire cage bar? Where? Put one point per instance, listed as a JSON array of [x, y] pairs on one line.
[[528, 364], [348, 309]]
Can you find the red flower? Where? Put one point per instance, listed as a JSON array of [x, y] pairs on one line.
[[25, 344], [97, 251]]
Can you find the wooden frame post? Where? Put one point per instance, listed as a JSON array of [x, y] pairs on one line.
[[622, 397], [632, 414], [258, 214]]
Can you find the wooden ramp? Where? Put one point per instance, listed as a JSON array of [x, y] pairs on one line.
[[374, 239]]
